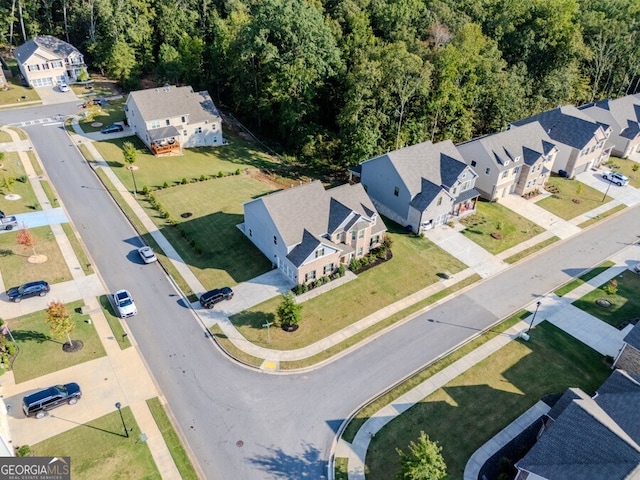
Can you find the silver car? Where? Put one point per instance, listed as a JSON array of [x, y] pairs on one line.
[[125, 304], [147, 255]]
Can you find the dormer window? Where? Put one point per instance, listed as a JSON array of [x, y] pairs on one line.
[[320, 252]]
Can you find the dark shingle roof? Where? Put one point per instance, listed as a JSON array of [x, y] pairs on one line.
[[565, 400], [53, 45], [566, 125], [633, 337]]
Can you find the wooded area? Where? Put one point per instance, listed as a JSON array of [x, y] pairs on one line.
[[335, 82]]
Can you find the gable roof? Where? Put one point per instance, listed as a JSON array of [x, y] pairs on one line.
[[623, 114], [52, 45], [566, 125], [170, 101], [595, 438], [633, 337], [528, 142]]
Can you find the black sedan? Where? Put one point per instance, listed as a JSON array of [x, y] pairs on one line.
[[113, 128], [31, 289]]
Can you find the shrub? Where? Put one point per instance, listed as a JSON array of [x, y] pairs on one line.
[[635, 167], [341, 270], [388, 241], [184, 181], [145, 190], [202, 178], [165, 184], [237, 172], [611, 288], [22, 179], [23, 451], [11, 349], [220, 174]]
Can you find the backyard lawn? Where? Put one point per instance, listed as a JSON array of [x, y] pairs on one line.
[[15, 268], [13, 171], [625, 167], [40, 354], [562, 203], [492, 218], [473, 407], [415, 265], [625, 304], [99, 449]]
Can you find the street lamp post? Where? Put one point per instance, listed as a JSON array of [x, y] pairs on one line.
[[534, 317], [119, 406], [607, 191]]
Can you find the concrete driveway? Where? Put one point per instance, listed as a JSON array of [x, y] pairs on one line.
[[52, 95]]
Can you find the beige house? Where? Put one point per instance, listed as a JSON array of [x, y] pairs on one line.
[[170, 118], [629, 356], [308, 232], [46, 61]]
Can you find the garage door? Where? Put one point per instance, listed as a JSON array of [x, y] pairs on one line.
[[42, 82]]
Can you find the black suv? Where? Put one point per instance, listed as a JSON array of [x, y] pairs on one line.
[[36, 404], [209, 299], [31, 289]]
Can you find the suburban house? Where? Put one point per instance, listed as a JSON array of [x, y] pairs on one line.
[[589, 438], [420, 186], [580, 140], [629, 356], [46, 61], [623, 116], [308, 232], [170, 118], [516, 161]]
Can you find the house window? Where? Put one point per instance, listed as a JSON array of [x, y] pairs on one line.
[[45, 66], [320, 252], [328, 268], [360, 252], [250, 233], [184, 133], [361, 233], [374, 240], [473, 163], [396, 191], [439, 201], [168, 122], [516, 170], [33, 68], [465, 186], [198, 130], [487, 171], [275, 240], [310, 276], [155, 124], [505, 174], [455, 190], [56, 64], [184, 119], [353, 236]]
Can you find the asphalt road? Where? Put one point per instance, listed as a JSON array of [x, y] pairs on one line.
[[244, 424]]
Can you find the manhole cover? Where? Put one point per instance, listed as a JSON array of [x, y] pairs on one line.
[[239, 443], [186, 214]]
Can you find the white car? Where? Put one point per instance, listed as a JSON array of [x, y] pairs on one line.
[[615, 177], [124, 304], [63, 87], [147, 255]]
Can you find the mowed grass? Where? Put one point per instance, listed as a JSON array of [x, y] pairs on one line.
[[625, 304], [225, 256], [40, 353], [5, 137], [153, 172], [625, 167], [493, 218], [99, 449], [562, 203], [15, 268], [12, 169], [476, 405], [110, 113], [16, 93], [415, 265]]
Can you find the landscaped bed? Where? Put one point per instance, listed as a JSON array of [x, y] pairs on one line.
[[562, 202], [625, 303], [415, 265], [40, 353], [100, 450], [476, 405], [496, 228]]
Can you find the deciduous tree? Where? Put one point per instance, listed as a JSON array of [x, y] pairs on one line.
[[59, 320], [423, 462]]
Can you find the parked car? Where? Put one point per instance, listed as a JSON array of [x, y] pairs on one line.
[[114, 127], [147, 255], [31, 289], [63, 87], [615, 177], [37, 404], [124, 304], [210, 298]]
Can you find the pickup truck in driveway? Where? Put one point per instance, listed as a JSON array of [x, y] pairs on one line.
[[8, 223]]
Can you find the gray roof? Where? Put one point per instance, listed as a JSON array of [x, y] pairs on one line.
[[428, 192], [633, 337], [566, 125], [623, 114], [594, 438], [163, 132], [170, 101], [528, 142], [307, 211], [53, 45]]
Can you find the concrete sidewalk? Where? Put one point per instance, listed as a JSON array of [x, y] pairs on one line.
[[120, 376]]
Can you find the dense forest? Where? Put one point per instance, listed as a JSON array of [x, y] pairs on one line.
[[335, 82]]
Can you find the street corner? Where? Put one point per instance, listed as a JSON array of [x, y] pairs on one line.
[[270, 366]]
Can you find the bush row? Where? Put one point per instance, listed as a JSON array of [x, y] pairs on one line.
[[305, 287], [186, 181]]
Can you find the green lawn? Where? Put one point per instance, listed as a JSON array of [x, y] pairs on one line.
[[99, 449], [626, 166], [41, 354], [16, 93], [5, 137], [493, 218], [113, 112], [178, 453], [473, 407], [415, 265], [584, 278], [562, 203], [625, 304], [15, 268], [12, 169]]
